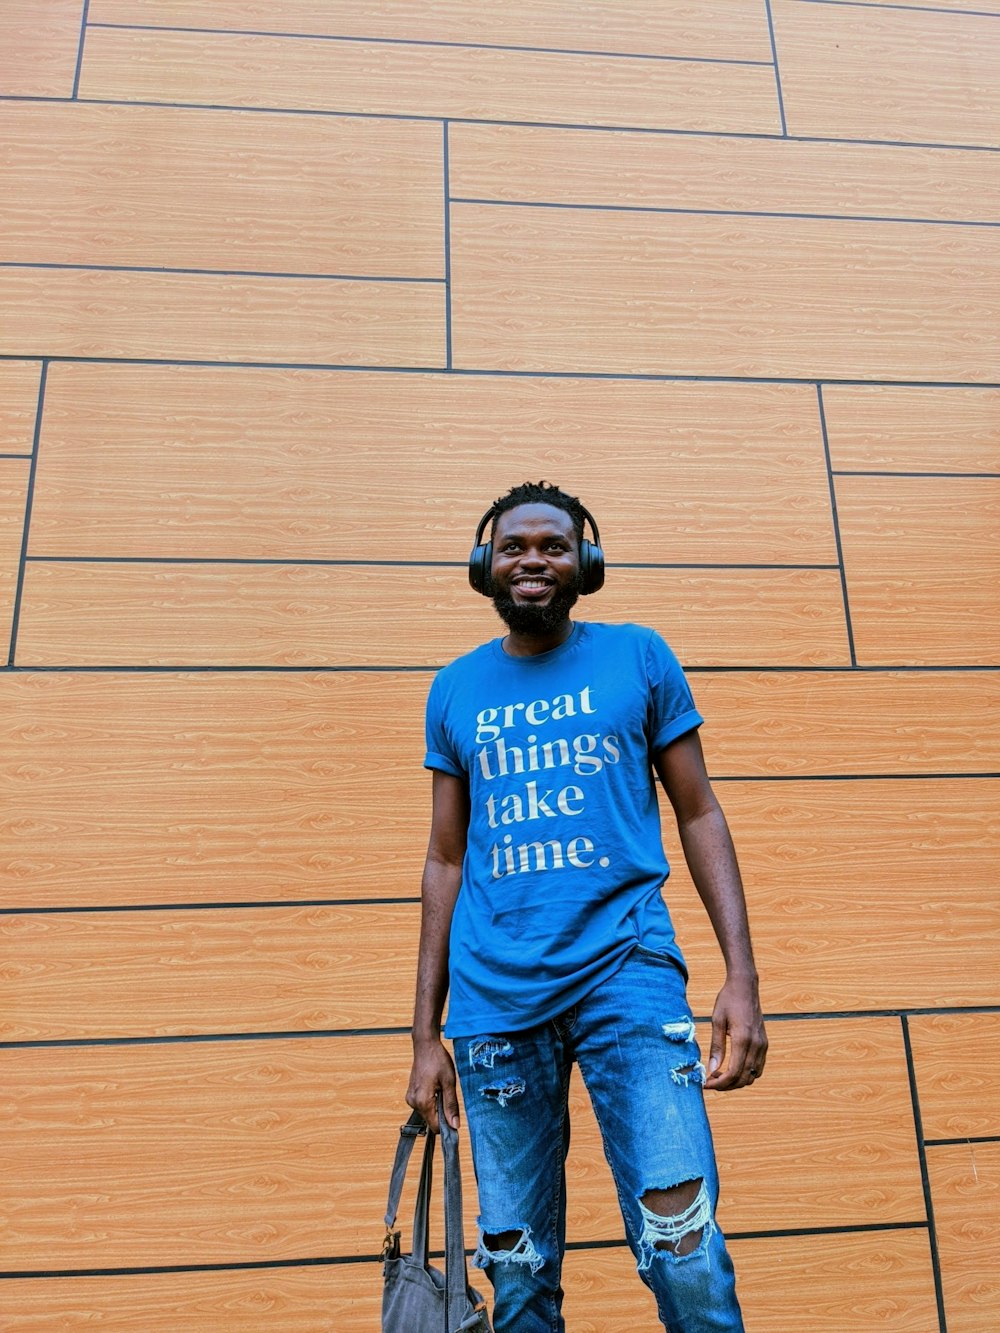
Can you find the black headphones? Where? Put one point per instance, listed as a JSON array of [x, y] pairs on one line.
[[481, 559]]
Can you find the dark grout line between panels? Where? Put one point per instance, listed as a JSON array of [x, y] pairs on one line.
[[167, 271], [777, 69], [28, 502], [79, 51], [912, 9], [924, 1175]]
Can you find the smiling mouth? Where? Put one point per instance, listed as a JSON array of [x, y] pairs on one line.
[[532, 587]]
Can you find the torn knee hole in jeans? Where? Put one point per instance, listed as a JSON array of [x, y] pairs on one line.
[[487, 1050], [678, 1235], [508, 1247], [502, 1093], [682, 1031]]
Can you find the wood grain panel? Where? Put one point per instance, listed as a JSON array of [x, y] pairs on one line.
[[18, 405], [281, 1149], [182, 972], [913, 429], [191, 615], [863, 895], [839, 1283], [200, 788], [69, 312], [922, 558], [792, 725], [890, 72], [221, 190], [475, 83], [535, 165], [182, 461], [649, 293], [958, 6], [965, 1185], [13, 496], [956, 1057], [38, 47], [720, 29]]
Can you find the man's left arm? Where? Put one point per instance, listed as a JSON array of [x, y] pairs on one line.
[[711, 858]]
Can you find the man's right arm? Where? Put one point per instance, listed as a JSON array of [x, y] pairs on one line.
[[433, 1068]]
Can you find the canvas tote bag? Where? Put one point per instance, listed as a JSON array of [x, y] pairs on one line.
[[417, 1298]]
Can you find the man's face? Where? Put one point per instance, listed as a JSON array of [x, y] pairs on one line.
[[535, 569]]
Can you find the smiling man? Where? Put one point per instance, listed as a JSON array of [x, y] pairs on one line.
[[545, 927]]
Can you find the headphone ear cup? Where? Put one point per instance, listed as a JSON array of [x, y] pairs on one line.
[[480, 562], [591, 567]]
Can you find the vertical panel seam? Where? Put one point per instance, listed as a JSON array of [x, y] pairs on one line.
[[79, 51], [447, 246], [777, 69], [836, 526], [924, 1175], [28, 501]]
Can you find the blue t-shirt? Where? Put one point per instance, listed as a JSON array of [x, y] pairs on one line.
[[565, 861]]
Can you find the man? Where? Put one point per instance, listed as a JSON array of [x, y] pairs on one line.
[[543, 917]]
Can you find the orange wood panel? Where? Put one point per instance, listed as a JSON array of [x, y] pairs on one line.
[[829, 1284], [69, 312], [922, 558], [569, 290], [183, 461], [791, 725], [38, 47], [385, 79], [535, 165], [839, 1283], [180, 972], [891, 72], [862, 895], [18, 405], [926, 429], [956, 1057], [127, 788], [221, 190], [281, 1148], [13, 494], [965, 1186], [357, 615], [720, 29]]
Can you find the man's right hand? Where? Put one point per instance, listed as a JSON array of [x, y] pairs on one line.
[[433, 1070]]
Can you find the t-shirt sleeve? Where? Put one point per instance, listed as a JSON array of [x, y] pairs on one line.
[[441, 753], [671, 705]]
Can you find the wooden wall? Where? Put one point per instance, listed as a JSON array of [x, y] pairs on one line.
[[290, 292]]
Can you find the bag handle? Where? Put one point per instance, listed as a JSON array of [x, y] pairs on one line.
[[456, 1269]]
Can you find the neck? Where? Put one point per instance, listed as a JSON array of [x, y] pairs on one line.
[[530, 645]]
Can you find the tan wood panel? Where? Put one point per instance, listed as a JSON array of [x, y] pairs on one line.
[[922, 429], [13, 495], [965, 1186], [534, 165], [956, 1057], [720, 29], [862, 895], [18, 405], [891, 72], [385, 79], [922, 558], [281, 1148], [356, 615], [569, 290], [221, 190], [38, 47], [183, 461], [959, 6], [839, 1283], [70, 312]]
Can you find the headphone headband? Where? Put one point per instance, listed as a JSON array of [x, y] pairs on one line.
[[481, 559]]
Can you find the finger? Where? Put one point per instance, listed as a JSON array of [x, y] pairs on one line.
[[717, 1053], [449, 1099]]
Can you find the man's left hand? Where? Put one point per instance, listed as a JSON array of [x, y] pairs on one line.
[[737, 1020]]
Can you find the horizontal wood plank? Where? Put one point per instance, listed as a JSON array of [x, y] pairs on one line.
[[965, 1187], [19, 381], [477, 83], [13, 498], [532, 164], [888, 72], [281, 1149], [922, 559], [162, 187], [233, 463], [544, 289], [707, 29], [174, 316], [925, 429], [39, 46], [357, 615], [956, 1057]]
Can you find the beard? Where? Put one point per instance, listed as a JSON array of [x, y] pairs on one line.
[[530, 618]]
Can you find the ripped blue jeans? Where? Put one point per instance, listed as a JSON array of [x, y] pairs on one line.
[[633, 1038]]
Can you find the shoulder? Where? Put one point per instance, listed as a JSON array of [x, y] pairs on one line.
[[627, 638]]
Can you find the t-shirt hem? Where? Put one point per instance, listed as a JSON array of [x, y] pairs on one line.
[[442, 764], [675, 728]]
